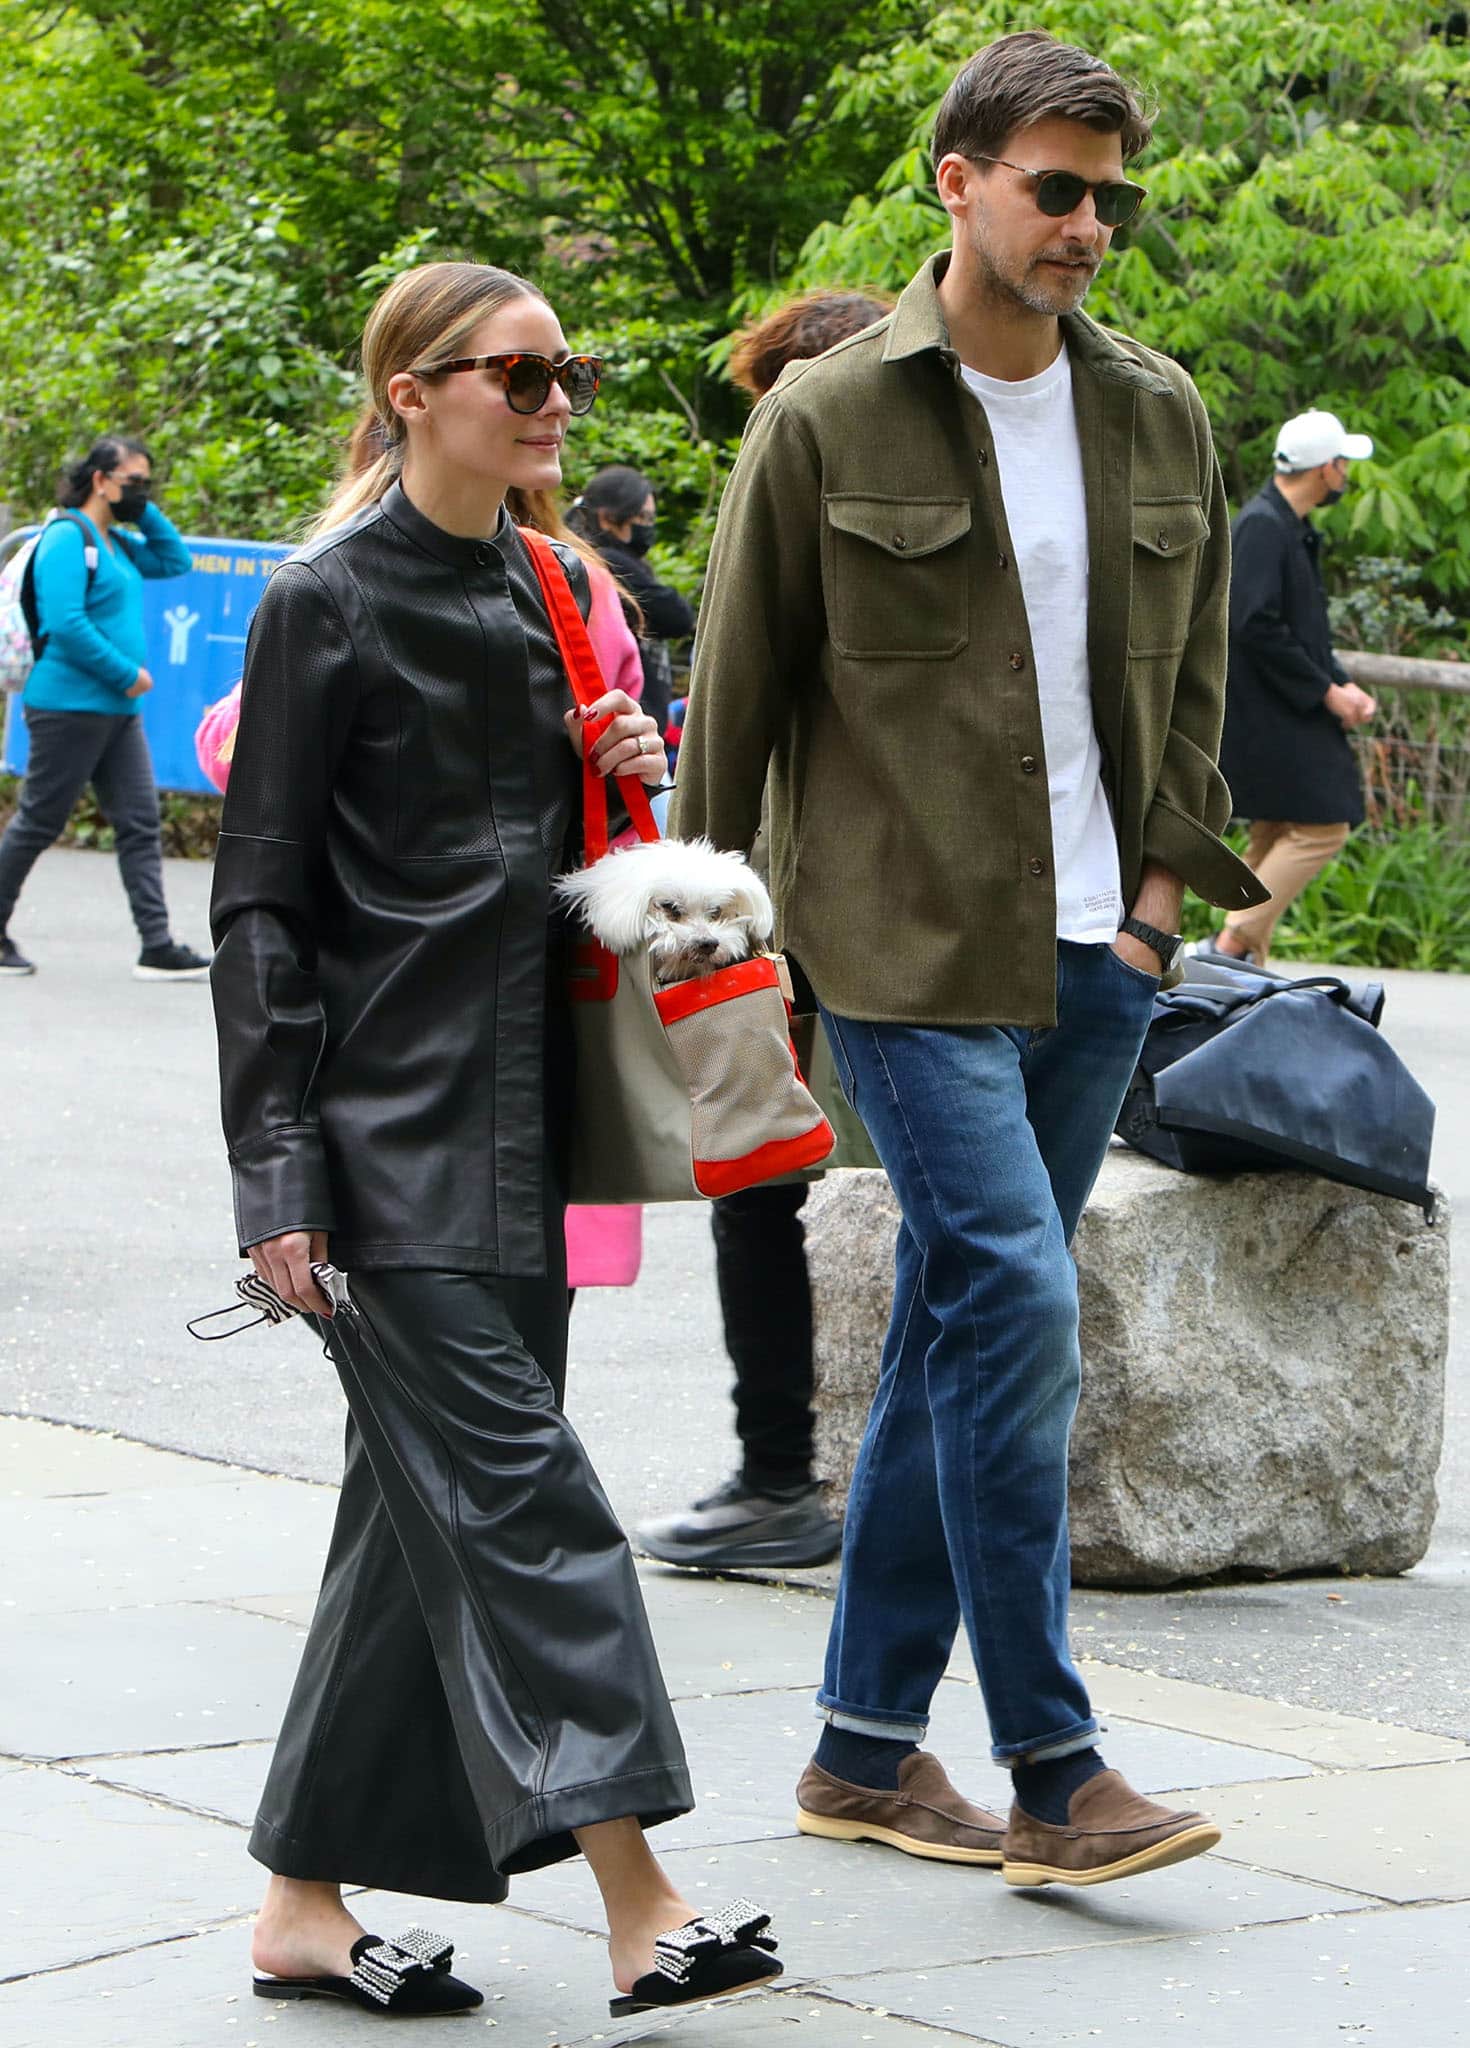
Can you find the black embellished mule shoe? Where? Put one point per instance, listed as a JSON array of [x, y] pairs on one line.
[[711, 1957], [405, 1978]]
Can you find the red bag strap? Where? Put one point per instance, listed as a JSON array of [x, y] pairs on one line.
[[585, 676]]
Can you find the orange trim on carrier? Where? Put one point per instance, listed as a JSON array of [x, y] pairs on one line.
[[768, 1162], [688, 998]]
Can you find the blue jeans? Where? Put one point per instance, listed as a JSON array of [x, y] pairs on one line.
[[992, 1138]]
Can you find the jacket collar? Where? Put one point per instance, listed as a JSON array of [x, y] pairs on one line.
[[1290, 518], [454, 548], [918, 324], [1271, 497]]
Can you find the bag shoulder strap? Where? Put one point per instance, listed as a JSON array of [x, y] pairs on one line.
[[579, 658], [28, 609]]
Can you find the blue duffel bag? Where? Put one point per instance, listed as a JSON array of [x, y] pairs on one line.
[[1250, 1071]]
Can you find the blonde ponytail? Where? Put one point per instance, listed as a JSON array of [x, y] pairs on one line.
[[356, 489], [424, 316]]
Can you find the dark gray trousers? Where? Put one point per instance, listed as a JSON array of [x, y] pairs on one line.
[[479, 1678], [70, 749]]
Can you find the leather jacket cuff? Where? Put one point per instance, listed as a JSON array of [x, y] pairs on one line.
[[281, 1184]]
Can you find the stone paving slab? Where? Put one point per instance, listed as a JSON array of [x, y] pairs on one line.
[[1155, 1760], [780, 2015], [45, 1460], [1395, 1979], [1391, 1648], [543, 1984], [746, 1752], [141, 1678], [1338, 1741], [717, 1637], [1404, 1836], [177, 1701], [224, 1783], [295, 1609], [708, 1646], [835, 1905], [126, 1549], [545, 1987], [89, 1871]]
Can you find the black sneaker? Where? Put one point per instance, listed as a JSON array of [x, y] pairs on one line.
[[172, 962], [736, 1528], [12, 960]]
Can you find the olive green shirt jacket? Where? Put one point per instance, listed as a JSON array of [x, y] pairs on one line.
[[863, 645]]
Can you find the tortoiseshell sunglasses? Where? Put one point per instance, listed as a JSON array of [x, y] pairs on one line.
[[528, 378]]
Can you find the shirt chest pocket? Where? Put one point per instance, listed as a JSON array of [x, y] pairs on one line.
[[894, 575], [1168, 534]]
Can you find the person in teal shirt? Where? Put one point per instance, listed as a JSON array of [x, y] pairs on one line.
[[83, 696]]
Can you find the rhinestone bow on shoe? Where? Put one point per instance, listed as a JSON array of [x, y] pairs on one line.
[[408, 1975], [713, 1956], [382, 1971]]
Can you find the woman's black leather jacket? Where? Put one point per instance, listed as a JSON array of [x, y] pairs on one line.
[[402, 794]]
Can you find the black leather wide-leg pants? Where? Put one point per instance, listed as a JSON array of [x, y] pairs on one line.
[[479, 1678]]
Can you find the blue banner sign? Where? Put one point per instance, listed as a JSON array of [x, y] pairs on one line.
[[196, 626]]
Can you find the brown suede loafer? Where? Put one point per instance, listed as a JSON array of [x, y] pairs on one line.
[[924, 1817], [1111, 1832]]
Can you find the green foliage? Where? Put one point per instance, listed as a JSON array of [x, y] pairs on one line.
[[209, 200], [1304, 241], [1390, 899], [1382, 612]]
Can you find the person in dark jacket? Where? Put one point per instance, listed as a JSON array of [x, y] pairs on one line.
[[771, 1512], [84, 695], [618, 514], [1289, 705], [479, 1694]]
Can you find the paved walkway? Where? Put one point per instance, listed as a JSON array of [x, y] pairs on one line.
[[151, 1619], [150, 1644]]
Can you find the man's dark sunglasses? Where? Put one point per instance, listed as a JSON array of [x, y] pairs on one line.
[[528, 378], [1058, 193]]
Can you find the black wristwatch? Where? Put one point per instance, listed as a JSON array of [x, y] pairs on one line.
[[1165, 944]]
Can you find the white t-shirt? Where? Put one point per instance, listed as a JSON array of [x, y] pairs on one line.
[[1039, 458]]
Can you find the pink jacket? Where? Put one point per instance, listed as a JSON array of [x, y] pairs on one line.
[[214, 738], [605, 1245], [611, 636]]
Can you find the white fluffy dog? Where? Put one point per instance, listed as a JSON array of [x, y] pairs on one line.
[[695, 908]]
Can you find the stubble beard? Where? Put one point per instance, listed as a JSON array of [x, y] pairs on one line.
[[1048, 293]]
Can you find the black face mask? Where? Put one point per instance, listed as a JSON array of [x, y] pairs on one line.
[[130, 507], [640, 540]]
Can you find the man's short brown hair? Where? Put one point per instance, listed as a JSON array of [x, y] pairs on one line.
[[1030, 77]]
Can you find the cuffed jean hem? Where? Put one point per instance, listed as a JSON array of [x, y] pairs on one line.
[[1083, 1736], [895, 1727]]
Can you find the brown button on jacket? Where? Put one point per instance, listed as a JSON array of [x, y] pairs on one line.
[[862, 642]]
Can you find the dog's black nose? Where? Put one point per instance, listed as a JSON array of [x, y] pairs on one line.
[[708, 946]]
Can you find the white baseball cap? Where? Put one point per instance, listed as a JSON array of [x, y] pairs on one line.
[[1316, 437]]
